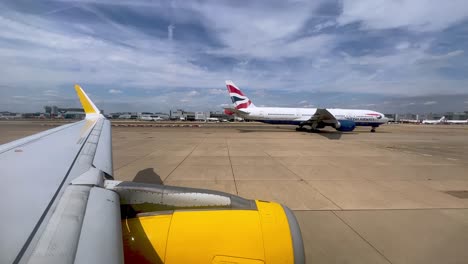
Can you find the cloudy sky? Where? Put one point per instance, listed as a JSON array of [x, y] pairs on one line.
[[392, 56]]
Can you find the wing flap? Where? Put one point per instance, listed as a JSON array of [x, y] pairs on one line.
[[60, 238], [101, 233]]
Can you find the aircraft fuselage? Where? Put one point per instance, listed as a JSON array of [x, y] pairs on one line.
[[297, 116]]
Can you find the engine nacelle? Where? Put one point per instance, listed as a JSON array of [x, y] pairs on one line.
[[167, 224], [345, 125]]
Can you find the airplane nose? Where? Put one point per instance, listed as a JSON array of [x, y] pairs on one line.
[[383, 118]]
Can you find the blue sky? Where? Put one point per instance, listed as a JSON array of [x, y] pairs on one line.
[[392, 56]]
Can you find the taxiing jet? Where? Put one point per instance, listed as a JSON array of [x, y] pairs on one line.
[[60, 204], [434, 122], [340, 119]]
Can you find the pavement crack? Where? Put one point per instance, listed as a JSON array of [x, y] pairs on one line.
[[232, 168], [365, 240], [184, 159], [306, 182]]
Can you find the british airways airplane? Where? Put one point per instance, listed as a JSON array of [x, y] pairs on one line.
[[341, 119]]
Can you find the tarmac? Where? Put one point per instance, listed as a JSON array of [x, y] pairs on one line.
[[399, 195]]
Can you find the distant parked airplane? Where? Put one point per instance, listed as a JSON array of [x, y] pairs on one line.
[[434, 122], [316, 118], [151, 118], [410, 121], [457, 122], [212, 119]]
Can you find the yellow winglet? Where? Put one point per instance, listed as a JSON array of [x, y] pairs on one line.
[[88, 106]]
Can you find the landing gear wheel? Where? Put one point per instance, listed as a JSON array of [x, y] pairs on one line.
[[373, 130], [300, 128]]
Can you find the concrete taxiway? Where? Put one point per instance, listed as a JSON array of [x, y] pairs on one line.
[[396, 196]]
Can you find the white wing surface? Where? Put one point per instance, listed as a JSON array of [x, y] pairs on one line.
[[48, 179]]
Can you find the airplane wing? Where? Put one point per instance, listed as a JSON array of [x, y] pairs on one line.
[[322, 115], [60, 204], [51, 187]]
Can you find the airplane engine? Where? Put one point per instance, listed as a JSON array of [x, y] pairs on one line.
[[345, 125], [167, 224]]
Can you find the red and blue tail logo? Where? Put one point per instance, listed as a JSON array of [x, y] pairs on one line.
[[238, 98]]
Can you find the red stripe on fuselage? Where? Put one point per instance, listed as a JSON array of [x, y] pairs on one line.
[[233, 89]]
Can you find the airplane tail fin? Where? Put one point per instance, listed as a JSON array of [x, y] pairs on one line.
[[442, 119], [238, 97], [89, 107]]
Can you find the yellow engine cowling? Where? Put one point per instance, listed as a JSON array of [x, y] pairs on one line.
[[213, 236], [168, 224]]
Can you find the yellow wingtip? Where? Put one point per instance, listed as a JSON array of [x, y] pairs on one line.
[[88, 106], [77, 87]]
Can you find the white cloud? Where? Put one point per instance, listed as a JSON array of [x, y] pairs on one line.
[[275, 50], [403, 45], [303, 102], [115, 91], [193, 93], [97, 61], [419, 15], [430, 103], [258, 30], [217, 91], [327, 24], [266, 47], [50, 93]]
